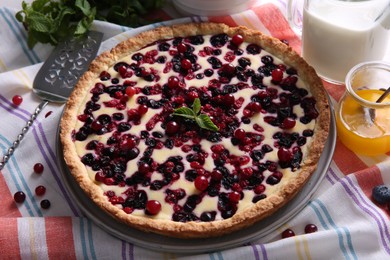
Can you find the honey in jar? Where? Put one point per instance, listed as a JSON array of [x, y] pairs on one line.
[[363, 120]]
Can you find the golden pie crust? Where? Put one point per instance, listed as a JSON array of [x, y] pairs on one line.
[[240, 220]]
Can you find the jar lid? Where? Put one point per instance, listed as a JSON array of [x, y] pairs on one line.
[[373, 75]]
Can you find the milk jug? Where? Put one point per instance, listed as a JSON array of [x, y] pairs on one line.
[[338, 34]]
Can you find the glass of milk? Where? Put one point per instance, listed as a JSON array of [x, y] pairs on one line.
[[338, 34], [211, 7]]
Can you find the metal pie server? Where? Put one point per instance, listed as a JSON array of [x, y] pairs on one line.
[[58, 75]]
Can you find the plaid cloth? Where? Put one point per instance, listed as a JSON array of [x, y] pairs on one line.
[[350, 225]]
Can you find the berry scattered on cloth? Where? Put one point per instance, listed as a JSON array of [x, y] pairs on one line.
[[381, 194]]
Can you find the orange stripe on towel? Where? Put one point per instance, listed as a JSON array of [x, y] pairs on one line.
[[277, 25], [59, 235], [352, 164], [9, 239], [7, 204], [336, 91], [228, 20], [368, 179]]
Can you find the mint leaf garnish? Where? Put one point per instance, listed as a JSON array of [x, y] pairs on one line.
[[202, 120], [185, 112], [196, 106], [205, 122]]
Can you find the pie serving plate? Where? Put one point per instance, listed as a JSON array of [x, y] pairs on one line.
[[168, 244]]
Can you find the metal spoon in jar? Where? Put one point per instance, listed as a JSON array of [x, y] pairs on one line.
[[371, 111]]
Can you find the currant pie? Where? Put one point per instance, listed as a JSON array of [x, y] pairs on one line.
[[195, 130]]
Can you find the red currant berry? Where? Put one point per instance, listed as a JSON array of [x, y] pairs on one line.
[[144, 168], [288, 123], [122, 69], [310, 228], [145, 73], [277, 75], [259, 189], [240, 134], [173, 82], [216, 175], [278, 175], [228, 69], [82, 117], [100, 176], [124, 99], [118, 94], [195, 165], [109, 181], [217, 148], [142, 109], [96, 125], [125, 72], [111, 103], [288, 233], [45, 204], [110, 193], [247, 113], [181, 47], [236, 187], [19, 196], [17, 100], [244, 160], [255, 107], [179, 100], [153, 207], [104, 75], [40, 190], [133, 114], [192, 95], [246, 172], [172, 127], [130, 91], [284, 155], [234, 196], [38, 168], [282, 67], [263, 94], [128, 210], [201, 183], [228, 100], [237, 39], [186, 148], [128, 144], [186, 64]]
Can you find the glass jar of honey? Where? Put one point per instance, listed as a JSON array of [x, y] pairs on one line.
[[363, 113]]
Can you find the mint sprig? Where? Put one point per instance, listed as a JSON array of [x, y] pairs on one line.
[[50, 21], [202, 120]]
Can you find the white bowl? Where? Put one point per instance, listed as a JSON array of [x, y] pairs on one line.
[[211, 7]]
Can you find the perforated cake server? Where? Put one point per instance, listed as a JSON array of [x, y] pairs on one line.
[[58, 75]]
